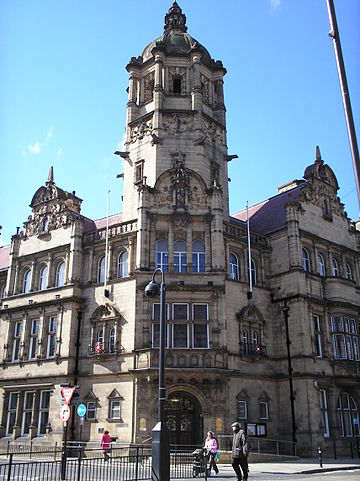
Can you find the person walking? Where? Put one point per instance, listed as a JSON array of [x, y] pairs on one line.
[[240, 452], [105, 444], [211, 447]]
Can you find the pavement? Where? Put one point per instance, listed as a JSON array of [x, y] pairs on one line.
[[298, 466]]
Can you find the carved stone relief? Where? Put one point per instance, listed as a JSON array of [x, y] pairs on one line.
[[178, 123], [140, 130], [213, 131]]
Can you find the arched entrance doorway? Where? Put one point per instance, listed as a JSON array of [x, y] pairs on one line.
[[184, 419]]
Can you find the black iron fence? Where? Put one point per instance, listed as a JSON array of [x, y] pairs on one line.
[[84, 463]]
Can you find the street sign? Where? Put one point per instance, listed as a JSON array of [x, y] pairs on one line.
[[81, 410], [67, 393], [65, 413]]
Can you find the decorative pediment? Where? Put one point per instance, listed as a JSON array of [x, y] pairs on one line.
[[104, 312], [263, 396], [242, 395], [250, 314], [91, 396], [52, 208], [115, 395]]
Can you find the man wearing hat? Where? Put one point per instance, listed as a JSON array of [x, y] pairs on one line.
[[240, 451]]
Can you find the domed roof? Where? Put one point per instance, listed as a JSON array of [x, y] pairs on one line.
[[175, 40]]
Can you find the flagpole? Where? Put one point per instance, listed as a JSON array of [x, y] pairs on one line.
[[106, 243], [249, 250]]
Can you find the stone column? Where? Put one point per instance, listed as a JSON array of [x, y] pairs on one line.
[[32, 281], [67, 262], [75, 254], [158, 92], [292, 217], [50, 277], [131, 254], [90, 265], [16, 281], [171, 246], [189, 245], [196, 93], [208, 250]]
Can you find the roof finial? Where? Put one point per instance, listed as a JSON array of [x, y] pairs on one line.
[[175, 19], [318, 154], [50, 180]]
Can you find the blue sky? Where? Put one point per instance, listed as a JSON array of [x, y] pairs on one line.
[[63, 93]]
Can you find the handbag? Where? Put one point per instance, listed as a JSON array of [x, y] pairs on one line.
[[217, 456]]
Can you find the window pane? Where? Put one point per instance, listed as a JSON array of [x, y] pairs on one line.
[[200, 336], [242, 410], [90, 410], [200, 312], [180, 311], [264, 410], [115, 410], [60, 274], [180, 335]]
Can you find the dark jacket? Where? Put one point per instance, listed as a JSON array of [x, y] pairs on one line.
[[240, 447]]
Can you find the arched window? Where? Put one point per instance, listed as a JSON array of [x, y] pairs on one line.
[[60, 274], [99, 345], [3, 291], [305, 260], [245, 340], [101, 270], [26, 281], [234, 267], [335, 267], [123, 264], [43, 278], [253, 272], [198, 256], [348, 269], [255, 338], [112, 340], [321, 265], [180, 256], [161, 253], [348, 415]]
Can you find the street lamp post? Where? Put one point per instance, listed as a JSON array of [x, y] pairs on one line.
[[160, 470]]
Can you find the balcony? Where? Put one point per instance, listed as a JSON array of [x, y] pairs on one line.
[[252, 349], [102, 349]]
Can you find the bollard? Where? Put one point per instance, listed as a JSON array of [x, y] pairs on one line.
[[320, 457]]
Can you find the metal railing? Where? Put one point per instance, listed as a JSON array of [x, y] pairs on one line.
[[261, 445], [87, 463]]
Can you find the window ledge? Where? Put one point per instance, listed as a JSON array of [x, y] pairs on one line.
[[111, 420]]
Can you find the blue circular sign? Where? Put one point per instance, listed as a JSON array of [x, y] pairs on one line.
[[81, 410]]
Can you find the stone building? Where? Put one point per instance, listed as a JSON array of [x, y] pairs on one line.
[[274, 345]]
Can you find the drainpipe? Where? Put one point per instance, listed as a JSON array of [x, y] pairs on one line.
[[285, 310], [76, 369]]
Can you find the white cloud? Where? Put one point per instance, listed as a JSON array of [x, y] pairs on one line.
[[275, 3], [34, 148], [37, 147], [49, 134]]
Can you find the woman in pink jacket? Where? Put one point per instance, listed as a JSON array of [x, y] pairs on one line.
[[211, 447], [105, 444]]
